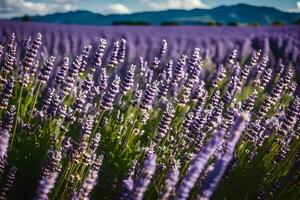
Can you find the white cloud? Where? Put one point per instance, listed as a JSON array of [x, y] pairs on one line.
[[64, 1], [297, 9], [20, 7], [117, 9], [175, 4]]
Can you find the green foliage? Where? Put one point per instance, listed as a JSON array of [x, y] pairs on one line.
[[26, 18]]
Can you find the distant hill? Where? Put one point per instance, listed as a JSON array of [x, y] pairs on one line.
[[240, 13]]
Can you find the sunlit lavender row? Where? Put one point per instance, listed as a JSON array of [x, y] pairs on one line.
[[92, 123]]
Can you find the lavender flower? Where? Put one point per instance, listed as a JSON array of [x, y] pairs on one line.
[[163, 48], [9, 60], [80, 102], [149, 96], [59, 79], [53, 163], [95, 142], [32, 53], [232, 56], [85, 54], [128, 81], [262, 65], [178, 72], [221, 164], [1, 50], [249, 102], [197, 166], [171, 181], [136, 97], [46, 70], [142, 181], [164, 124], [100, 52], [72, 74], [54, 105], [155, 63], [122, 51], [91, 179], [8, 182], [4, 142], [11, 42], [3, 163], [46, 185], [6, 93], [8, 119], [48, 97], [253, 61], [114, 55], [87, 83], [219, 76], [109, 96], [127, 183], [103, 79], [164, 88], [265, 79]]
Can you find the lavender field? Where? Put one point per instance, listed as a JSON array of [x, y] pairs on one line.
[[125, 112]]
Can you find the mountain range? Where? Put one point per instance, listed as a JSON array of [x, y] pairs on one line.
[[240, 13]]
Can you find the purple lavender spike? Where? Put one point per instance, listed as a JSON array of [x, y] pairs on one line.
[[46, 70], [53, 163], [100, 52], [142, 181], [122, 51], [164, 124], [1, 50], [127, 184], [197, 166], [248, 105], [46, 185], [168, 70], [59, 79], [8, 119], [178, 72], [4, 142], [155, 63], [163, 49], [171, 181], [103, 79], [109, 96], [32, 53], [214, 176], [7, 182], [195, 60], [9, 60], [6, 93], [149, 96], [91, 179], [87, 83], [128, 81], [3, 163], [72, 75], [114, 55], [85, 54]]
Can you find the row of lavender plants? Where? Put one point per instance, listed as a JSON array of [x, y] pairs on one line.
[[281, 44], [81, 128]]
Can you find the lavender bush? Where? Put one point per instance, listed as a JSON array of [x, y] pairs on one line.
[[94, 122]]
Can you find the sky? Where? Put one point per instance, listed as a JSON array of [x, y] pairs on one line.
[[12, 8]]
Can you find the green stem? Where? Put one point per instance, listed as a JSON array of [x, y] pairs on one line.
[[35, 99], [17, 115]]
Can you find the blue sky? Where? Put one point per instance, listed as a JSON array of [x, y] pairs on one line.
[[10, 8]]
